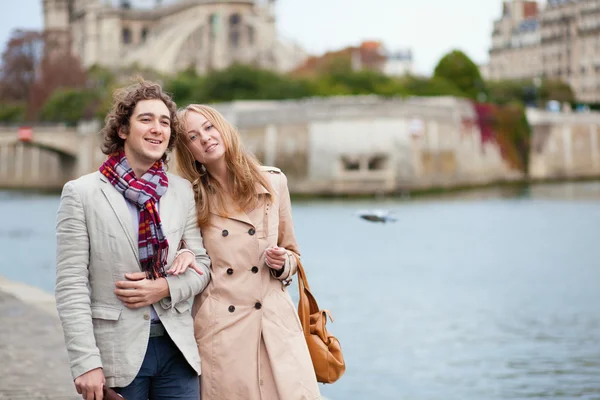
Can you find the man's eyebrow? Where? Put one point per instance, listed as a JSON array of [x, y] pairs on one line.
[[149, 114]]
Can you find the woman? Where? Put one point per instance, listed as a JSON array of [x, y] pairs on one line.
[[248, 333]]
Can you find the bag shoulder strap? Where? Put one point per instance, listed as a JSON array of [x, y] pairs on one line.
[[301, 274]]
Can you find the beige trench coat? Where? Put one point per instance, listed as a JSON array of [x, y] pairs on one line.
[[248, 333]]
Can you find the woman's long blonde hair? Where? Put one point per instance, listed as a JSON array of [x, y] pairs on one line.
[[242, 167]]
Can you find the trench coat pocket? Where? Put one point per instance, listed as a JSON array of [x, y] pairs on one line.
[[282, 312]]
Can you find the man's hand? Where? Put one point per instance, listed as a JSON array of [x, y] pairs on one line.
[[91, 384], [138, 291]]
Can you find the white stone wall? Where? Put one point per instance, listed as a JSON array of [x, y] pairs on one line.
[[564, 144]]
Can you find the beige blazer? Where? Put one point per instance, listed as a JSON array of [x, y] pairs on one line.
[[96, 246]]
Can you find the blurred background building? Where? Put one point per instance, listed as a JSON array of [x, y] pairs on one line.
[[558, 41], [168, 38]]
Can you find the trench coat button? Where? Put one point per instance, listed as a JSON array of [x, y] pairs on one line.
[[257, 305], [146, 317], [254, 269], [251, 231], [225, 232], [231, 308], [229, 271]]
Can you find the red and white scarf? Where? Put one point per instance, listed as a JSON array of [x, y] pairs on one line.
[[144, 192]]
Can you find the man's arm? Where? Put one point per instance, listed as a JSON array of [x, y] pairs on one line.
[[184, 286], [72, 292]]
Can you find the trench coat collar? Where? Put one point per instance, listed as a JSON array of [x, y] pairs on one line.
[[238, 215]]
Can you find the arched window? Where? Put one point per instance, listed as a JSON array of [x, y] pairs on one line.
[[250, 35], [126, 35], [235, 19], [144, 34], [213, 21], [235, 30]]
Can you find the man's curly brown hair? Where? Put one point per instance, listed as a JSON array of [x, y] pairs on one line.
[[124, 102]]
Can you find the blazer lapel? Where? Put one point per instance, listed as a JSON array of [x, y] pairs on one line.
[[117, 203], [166, 208]]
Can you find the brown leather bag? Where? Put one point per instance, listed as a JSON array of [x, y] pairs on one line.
[[325, 349]]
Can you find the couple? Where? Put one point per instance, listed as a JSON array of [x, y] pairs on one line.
[[134, 292]]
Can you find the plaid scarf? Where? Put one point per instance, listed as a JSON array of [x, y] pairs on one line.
[[145, 193]]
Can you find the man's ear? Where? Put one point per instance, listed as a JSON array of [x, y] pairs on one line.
[[122, 133]]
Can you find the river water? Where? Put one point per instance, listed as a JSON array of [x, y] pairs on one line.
[[493, 294]]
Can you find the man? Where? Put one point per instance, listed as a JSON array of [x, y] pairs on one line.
[[125, 310]]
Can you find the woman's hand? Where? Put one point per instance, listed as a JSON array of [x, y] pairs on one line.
[[275, 257], [183, 261]]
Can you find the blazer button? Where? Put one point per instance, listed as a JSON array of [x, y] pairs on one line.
[[146, 317], [225, 232], [254, 269], [229, 271], [251, 231], [257, 305], [231, 308]]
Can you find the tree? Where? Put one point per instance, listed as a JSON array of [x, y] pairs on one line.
[[508, 91], [435, 86], [71, 106], [457, 68], [58, 70], [33, 66], [556, 90], [12, 112], [360, 82], [186, 87], [20, 63], [241, 82]]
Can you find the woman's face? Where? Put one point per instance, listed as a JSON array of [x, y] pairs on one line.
[[205, 141]]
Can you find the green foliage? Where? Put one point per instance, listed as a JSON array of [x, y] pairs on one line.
[[186, 88], [71, 106], [556, 90], [12, 112], [242, 82], [100, 77], [457, 68], [527, 92], [436, 86], [507, 91], [513, 134], [359, 82]]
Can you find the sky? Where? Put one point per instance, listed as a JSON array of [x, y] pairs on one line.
[[431, 28]]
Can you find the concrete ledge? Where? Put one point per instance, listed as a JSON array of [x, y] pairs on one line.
[[29, 294]]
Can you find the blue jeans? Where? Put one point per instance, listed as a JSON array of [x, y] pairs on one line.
[[165, 375]]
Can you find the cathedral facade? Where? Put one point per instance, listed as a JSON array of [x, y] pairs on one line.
[[200, 34]]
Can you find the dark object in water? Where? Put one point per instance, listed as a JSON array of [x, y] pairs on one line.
[[376, 216]]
